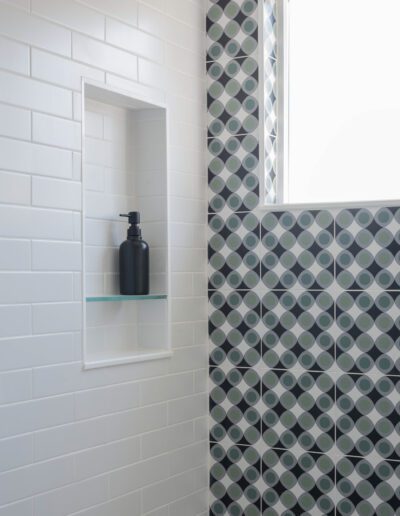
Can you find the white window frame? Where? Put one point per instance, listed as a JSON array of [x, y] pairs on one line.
[[283, 126]]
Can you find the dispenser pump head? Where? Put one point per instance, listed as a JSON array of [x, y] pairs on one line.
[[134, 220]]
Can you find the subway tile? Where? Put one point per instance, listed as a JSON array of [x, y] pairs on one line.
[[15, 386], [72, 498], [42, 223], [72, 437], [164, 492], [139, 475], [192, 505], [72, 15], [15, 321], [138, 421], [189, 358], [151, 74], [62, 378], [32, 94], [187, 408], [64, 72], [32, 30], [135, 88], [33, 351], [106, 400], [31, 287], [33, 415], [52, 256], [56, 317], [15, 122], [104, 56], [14, 56], [55, 193], [35, 159], [129, 505], [55, 131], [107, 457], [179, 58], [21, 4], [16, 452], [125, 10], [156, 390], [15, 188], [167, 28], [15, 254], [188, 458], [183, 310], [24, 507], [34, 479], [167, 439], [134, 40]]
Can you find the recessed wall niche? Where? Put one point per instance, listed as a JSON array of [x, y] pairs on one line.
[[124, 169]]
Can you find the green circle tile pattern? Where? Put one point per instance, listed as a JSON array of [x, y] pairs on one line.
[[369, 332], [234, 478], [234, 328], [297, 485], [233, 181], [234, 399], [298, 410], [232, 97], [231, 29], [366, 488], [233, 251], [298, 330], [297, 250], [369, 248], [368, 421]]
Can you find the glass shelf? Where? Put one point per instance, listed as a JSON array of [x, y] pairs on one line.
[[105, 299]]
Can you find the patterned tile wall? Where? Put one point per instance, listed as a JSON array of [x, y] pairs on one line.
[[304, 316]]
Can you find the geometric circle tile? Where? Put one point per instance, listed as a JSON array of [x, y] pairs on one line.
[[367, 488], [368, 338], [298, 250], [233, 251], [231, 29], [234, 480], [297, 485], [234, 405], [232, 100], [232, 173], [298, 330], [369, 243], [299, 410], [368, 416], [235, 328]]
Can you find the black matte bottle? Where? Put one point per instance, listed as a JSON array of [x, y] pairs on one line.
[[134, 260]]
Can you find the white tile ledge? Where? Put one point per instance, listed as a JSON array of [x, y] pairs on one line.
[[120, 359]]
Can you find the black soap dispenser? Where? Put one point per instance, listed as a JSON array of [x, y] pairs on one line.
[[134, 260]]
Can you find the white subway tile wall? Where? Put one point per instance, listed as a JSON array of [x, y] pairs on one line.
[[128, 440]]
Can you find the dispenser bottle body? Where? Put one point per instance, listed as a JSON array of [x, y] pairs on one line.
[[134, 267]]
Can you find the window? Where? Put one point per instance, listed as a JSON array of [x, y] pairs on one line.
[[332, 101]]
